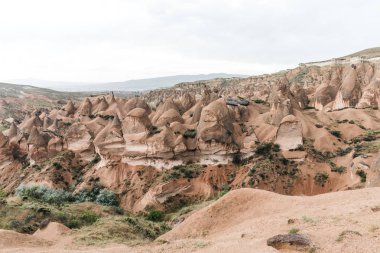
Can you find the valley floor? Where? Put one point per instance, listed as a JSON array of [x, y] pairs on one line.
[[243, 220]]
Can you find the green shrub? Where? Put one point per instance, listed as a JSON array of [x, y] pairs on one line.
[[321, 178], [363, 175], [236, 159], [266, 148], [318, 125], [335, 168], [155, 215], [44, 194], [252, 171], [224, 190], [190, 133], [88, 217], [107, 198], [259, 101], [336, 133], [152, 130], [95, 160], [343, 152]]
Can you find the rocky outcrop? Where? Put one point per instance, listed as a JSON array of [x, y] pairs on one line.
[[289, 133], [296, 242]]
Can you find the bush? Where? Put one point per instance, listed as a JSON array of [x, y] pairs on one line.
[[44, 194], [336, 133], [321, 178], [95, 160], [343, 152], [155, 215], [107, 198], [318, 126], [335, 168], [266, 148], [152, 130], [190, 133], [236, 159], [89, 217], [362, 175], [59, 197], [259, 101]]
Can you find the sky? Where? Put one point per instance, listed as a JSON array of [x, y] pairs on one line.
[[116, 40]]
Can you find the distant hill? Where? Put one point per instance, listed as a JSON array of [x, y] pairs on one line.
[[369, 52], [129, 85]]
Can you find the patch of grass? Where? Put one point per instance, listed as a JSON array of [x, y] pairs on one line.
[[293, 231], [373, 228], [307, 218], [155, 215], [345, 233]]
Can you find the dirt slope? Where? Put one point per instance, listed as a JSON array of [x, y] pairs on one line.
[[244, 219]]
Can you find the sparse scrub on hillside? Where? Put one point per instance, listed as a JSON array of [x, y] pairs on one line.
[[338, 169], [343, 152], [182, 171], [267, 148]]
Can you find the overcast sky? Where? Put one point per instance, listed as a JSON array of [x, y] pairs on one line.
[[115, 40]]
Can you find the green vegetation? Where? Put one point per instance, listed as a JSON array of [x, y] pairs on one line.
[[236, 159], [59, 197], [321, 178], [363, 175], [155, 215], [336, 133], [267, 148], [182, 171], [106, 117], [259, 101], [44, 194], [224, 190], [343, 152], [345, 233], [190, 133], [293, 231], [152, 130], [335, 168]]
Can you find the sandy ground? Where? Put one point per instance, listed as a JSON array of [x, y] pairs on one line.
[[243, 220]]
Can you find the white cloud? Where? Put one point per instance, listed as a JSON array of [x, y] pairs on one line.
[[114, 40]]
